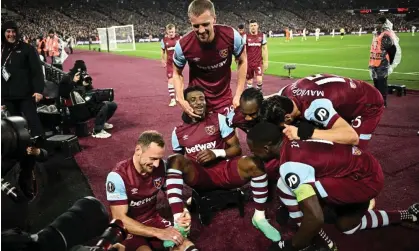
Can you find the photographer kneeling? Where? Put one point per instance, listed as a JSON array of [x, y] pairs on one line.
[[79, 81]]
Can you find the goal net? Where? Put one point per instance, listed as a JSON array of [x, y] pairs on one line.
[[121, 38]]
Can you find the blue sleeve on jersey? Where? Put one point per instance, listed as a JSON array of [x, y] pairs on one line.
[[238, 43], [295, 173], [264, 41], [178, 57], [230, 117], [244, 39], [225, 130], [175, 142], [115, 188], [320, 111], [163, 46]]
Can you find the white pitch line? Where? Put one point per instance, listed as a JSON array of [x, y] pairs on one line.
[[342, 68]]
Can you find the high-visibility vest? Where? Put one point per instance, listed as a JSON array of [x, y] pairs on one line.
[[42, 41], [376, 52], [53, 46]]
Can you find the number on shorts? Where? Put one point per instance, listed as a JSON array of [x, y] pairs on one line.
[[325, 80], [166, 223], [228, 109], [356, 123]]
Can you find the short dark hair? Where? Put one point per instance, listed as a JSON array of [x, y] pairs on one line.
[[194, 88], [150, 136], [252, 21], [275, 108], [198, 7], [51, 31], [252, 94], [265, 133], [381, 20], [241, 26]]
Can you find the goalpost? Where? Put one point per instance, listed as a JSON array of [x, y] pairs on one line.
[[119, 38]]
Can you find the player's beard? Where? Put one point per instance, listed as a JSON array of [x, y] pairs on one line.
[[11, 38]]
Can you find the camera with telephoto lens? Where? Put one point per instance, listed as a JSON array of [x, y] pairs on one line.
[[85, 220], [15, 137], [85, 77]]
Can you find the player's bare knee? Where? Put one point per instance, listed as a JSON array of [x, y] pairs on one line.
[[143, 248], [348, 225], [177, 162], [252, 166]]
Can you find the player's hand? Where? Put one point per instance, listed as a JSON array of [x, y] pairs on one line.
[[291, 132], [170, 234], [38, 97], [185, 220], [187, 108], [33, 151], [265, 66], [163, 63], [205, 156], [236, 101], [119, 247]]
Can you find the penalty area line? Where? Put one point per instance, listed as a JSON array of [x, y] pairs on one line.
[[341, 68]]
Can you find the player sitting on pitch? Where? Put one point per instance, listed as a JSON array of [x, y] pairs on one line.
[[331, 102], [210, 159], [132, 188], [341, 177]]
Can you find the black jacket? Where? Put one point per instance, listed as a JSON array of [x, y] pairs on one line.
[[24, 67]]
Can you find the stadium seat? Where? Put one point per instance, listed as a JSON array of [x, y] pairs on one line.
[[400, 90], [205, 203]]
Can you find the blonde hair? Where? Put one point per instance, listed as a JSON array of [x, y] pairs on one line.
[[170, 26]]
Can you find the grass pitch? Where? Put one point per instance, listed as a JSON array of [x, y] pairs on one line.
[[347, 57]]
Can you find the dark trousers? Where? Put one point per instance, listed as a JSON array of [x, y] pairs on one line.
[[43, 54], [71, 49], [105, 113], [381, 84], [27, 108]]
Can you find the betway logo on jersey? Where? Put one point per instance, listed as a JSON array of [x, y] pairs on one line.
[[200, 147], [142, 202], [300, 92], [254, 44], [212, 67]]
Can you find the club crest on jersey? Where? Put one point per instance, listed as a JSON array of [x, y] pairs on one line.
[[210, 130], [356, 151], [223, 53], [158, 183]]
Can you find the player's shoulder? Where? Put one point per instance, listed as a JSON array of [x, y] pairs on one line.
[[122, 166], [187, 38]]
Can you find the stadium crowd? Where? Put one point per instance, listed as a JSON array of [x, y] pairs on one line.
[[81, 18]]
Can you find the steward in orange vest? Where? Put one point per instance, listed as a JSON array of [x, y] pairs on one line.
[[385, 55], [42, 47]]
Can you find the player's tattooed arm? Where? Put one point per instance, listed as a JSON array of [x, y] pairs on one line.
[[341, 133], [241, 77], [234, 149], [133, 226]]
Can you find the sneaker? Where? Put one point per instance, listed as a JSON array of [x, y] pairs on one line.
[[101, 135], [172, 102], [107, 126], [267, 229]]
